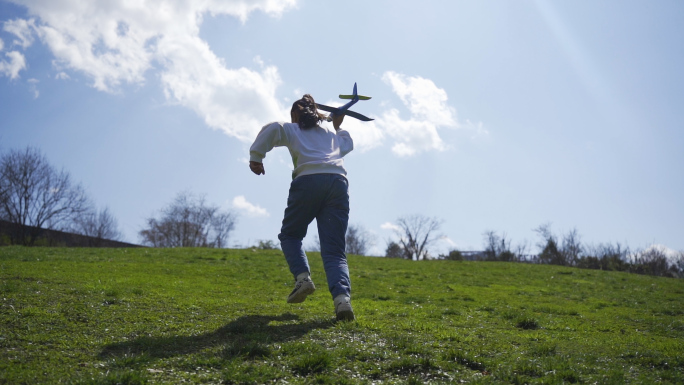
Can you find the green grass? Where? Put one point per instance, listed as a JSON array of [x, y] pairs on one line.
[[137, 316]]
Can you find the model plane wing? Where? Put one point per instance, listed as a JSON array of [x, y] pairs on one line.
[[335, 110], [358, 116], [361, 97], [325, 108]]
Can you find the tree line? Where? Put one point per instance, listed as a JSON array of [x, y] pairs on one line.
[[416, 233], [567, 249], [37, 196]]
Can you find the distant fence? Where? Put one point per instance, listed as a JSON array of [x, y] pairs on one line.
[[11, 233]]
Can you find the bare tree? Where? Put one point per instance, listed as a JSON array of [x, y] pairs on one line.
[[358, 240], [566, 253], [521, 251], [491, 243], [605, 256], [571, 247], [550, 252], [189, 222], [416, 234], [33, 193], [100, 225], [679, 263], [654, 261], [544, 231], [498, 248], [222, 223]]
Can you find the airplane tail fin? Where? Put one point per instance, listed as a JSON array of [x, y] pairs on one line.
[[355, 95]]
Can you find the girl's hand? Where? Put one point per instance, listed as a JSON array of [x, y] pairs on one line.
[[257, 168], [337, 121]]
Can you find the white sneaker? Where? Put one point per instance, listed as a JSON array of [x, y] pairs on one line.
[[303, 287], [343, 308]]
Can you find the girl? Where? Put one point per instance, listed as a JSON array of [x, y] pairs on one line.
[[319, 190]]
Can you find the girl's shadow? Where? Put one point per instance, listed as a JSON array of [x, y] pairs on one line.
[[246, 336]]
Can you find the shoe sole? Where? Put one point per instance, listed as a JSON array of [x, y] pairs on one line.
[[301, 295], [345, 315]]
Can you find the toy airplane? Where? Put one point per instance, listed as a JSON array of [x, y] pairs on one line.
[[344, 110]]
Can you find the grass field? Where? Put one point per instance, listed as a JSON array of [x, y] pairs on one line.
[[130, 316]]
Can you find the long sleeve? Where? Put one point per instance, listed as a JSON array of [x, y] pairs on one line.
[[346, 142], [271, 135], [315, 150]]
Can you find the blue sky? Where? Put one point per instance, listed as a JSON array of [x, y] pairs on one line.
[[490, 115]]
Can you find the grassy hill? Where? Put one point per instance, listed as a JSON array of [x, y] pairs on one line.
[[128, 316]]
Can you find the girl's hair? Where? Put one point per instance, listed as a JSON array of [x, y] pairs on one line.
[[308, 114]]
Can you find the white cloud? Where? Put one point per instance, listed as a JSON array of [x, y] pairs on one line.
[[2, 45], [448, 242], [423, 98], [22, 29], [390, 226], [238, 101], [411, 136], [241, 203], [16, 63], [429, 110], [366, 135], [118, 42]]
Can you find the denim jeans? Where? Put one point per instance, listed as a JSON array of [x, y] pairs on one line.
[[324, 197]]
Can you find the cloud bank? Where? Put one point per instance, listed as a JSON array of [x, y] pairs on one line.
[[429, 110], [116, 42], [429, 113]]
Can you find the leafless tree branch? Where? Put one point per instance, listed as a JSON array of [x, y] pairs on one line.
[[416, 234], [358, 240], [189, 222], [33, 193]]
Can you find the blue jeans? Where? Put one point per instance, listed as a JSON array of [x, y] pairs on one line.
[[324, 197]]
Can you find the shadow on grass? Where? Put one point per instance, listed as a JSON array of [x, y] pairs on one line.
[[247, 336]]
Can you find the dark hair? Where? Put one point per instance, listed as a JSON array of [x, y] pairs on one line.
[[308, 114]]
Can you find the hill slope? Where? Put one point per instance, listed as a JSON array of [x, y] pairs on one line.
[[219, 316]]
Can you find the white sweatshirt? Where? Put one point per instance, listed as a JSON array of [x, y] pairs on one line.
[[315, 150]]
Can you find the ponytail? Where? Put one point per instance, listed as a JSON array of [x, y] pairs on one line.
[[308, 114]]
